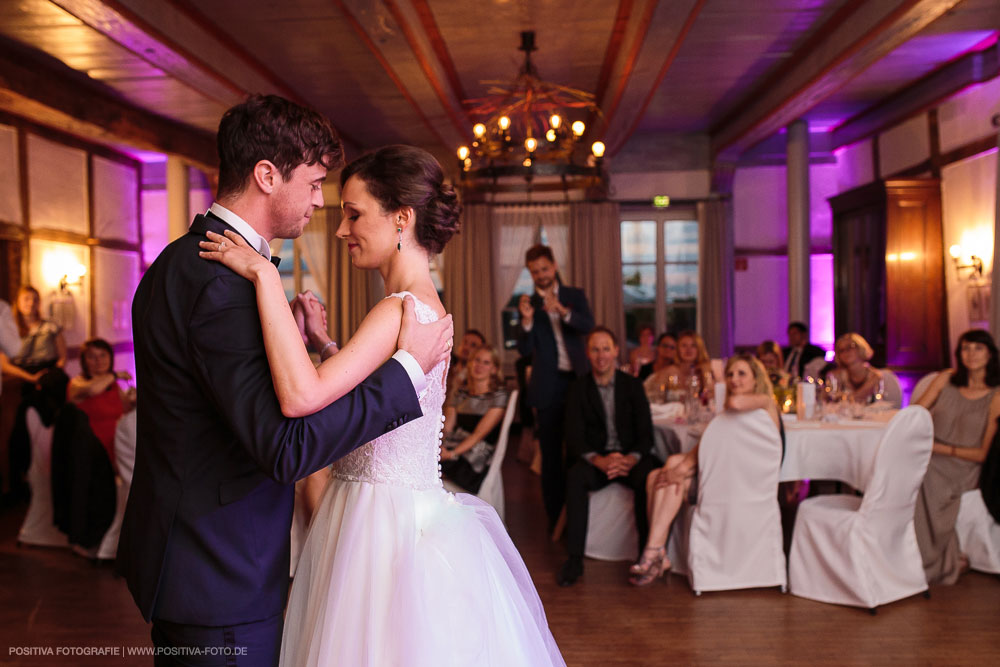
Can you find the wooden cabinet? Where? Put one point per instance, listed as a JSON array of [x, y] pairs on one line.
[[889, 271]]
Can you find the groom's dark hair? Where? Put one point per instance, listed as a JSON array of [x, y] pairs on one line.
[[268, 127]]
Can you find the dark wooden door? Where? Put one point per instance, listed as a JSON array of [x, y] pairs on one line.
[[889, 271]]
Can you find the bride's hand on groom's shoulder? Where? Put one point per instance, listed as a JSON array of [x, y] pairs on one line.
[[430, 343], [233, 251]]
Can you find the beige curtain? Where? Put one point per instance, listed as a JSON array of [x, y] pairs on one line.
[[315, 250], [469, 276], [596, 261], [715, 276]]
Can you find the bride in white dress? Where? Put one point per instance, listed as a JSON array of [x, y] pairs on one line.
[[395, 570]]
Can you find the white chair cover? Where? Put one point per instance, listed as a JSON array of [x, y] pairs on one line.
[[922, 386], [125, 461], [978, 533], [863, 551], [892, 392], [611, 531], [37, 528], [734, 540], [812, 369], [491, 490]]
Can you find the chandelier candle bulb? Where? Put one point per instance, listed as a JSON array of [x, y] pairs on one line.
[[463, 152], [479, 130], [578, 128], [530, 144], [598, 149], [555, 121], [503, 122], [550, 135]]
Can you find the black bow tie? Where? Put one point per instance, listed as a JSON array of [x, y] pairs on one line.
[[275, 260]]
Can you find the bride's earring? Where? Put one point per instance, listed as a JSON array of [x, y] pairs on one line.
[[399, 244]]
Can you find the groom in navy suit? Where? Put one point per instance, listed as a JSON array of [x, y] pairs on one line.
[[205, 541]]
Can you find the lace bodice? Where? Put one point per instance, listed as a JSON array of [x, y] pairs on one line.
[[410, 455]]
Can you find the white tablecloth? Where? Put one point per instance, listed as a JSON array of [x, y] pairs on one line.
[[843, 451]]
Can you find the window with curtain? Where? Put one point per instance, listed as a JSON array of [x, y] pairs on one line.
[[660, 271]]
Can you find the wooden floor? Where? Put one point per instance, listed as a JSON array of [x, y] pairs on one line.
[[51, 598]]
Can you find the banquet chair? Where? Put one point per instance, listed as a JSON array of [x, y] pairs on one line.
[[813, 367], [892, 392], [491, 490], [978, 533], [863, 551], [124, 443], [734, 536], [38, 528], [611, 531], [923, 384]]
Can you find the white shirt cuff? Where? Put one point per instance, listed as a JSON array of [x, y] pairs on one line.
[[412, 369]]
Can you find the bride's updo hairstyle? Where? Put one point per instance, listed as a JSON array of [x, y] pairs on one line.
[[406, 176]]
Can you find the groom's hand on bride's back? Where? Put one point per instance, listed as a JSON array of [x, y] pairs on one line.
[[428, 343]]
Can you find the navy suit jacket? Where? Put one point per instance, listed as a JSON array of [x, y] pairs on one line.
[[205, 538], [540, 345]]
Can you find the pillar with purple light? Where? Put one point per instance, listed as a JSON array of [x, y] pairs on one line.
[[799, 247]]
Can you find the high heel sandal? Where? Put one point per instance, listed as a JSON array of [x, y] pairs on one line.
[[652, 564]]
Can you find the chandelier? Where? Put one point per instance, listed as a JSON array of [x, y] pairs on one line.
[[524, 131]]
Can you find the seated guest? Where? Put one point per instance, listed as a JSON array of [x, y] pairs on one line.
[[692, 369], [964, 405], [472, 340], [97, 393], [666, 355], [769, 354], [668, 488], [799, 351], [472, 413], [645, 353], [853, 373], [41, 348], [609, 438], [42, 343]]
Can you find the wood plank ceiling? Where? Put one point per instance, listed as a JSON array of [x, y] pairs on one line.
[[723, 74]]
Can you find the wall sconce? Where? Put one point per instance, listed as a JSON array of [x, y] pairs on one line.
[[73, 276], [975, 263]]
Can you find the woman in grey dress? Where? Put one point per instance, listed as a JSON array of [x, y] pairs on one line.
[[472, 421], [964, 403]]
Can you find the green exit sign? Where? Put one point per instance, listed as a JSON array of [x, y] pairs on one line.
[[661, 201]]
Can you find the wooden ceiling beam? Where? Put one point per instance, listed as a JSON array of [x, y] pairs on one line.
[[53, 95], [449, 102], [854, 39], [924, 94]]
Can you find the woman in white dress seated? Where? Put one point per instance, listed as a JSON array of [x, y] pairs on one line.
[[668, 488], [395, 570]]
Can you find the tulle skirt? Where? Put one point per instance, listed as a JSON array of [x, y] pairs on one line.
[[401, 577]]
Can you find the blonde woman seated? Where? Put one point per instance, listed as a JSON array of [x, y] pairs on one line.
[[692, 369], [472, 414], [769, 353], [853, 373], [668, 488]]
